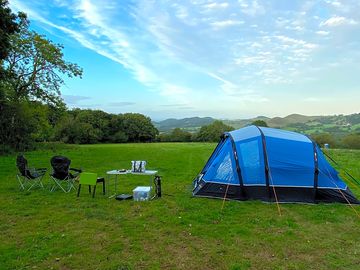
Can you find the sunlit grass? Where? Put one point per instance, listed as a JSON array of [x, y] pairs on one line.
[[60, 231]]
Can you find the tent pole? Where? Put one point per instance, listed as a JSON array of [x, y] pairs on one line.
[[238, 170], [267, 171], [316, 170], [266, 162]]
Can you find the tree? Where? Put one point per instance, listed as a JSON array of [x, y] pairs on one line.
[[32, 69], [259, 123], [34, 66], [138, 127], [212, 132], [98, 120], [8, 26], [72, 130], [115, 132]]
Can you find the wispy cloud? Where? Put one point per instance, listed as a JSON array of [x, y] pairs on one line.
[[74, 99], [226, 23], [322, 33], [338, 21], [215, 5], [121, 103], [252, 7]]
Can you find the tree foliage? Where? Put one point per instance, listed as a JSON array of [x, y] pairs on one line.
[[8, 26], [176, 135], [32, 69], [138, 128], [259, 123], [94, 126], [212, 132], [352, 141], [324, 138]]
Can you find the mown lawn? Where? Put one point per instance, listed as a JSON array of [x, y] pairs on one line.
[[43, 230]]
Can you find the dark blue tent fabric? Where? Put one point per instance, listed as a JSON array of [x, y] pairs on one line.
[[295, 165]]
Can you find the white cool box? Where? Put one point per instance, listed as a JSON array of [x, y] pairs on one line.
[[141, 193]]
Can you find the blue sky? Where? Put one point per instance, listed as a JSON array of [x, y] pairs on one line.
[[225, 59]]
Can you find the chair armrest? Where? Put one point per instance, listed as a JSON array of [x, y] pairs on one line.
[[76, 170], [36, 172]]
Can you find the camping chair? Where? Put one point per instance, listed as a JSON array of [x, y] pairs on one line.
[[61, 175], [90, 179], [28, 177]]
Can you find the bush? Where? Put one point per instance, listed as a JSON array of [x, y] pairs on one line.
[[323, 138], [176, 135], [352, 141]]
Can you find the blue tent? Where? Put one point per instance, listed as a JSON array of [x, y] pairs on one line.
[[258, 163]]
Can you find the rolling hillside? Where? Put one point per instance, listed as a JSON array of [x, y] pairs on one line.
[[336, 124]]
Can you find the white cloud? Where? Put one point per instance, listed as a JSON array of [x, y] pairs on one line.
[[258, 59], [338, 21], [215, 5], [251, 8], [322, 33], [226, 23]]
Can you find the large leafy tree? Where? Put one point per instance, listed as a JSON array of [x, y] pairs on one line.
[[33, 70], [138, 127], [35, 67]]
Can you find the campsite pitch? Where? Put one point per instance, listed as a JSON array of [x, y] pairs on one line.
[[43, 230]]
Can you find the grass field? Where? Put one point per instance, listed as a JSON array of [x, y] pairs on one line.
[[43, 230]]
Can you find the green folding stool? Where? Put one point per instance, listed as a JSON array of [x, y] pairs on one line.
[[90, 179]]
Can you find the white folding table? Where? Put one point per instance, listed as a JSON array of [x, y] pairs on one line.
[[116, 173]]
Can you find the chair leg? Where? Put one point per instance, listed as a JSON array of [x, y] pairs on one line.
[[89, 189], [71, 184], [104, 191], [21, 182], [78, 193], [94, 192]]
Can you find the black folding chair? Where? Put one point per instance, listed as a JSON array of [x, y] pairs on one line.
[[63, 176], [29, 177]]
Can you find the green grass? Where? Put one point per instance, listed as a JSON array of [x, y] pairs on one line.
[[43, 230]]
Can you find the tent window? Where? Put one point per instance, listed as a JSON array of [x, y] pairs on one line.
[[223, 168], [251, 162]]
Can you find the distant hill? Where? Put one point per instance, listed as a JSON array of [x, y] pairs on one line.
[[190, 124], [336, 124]]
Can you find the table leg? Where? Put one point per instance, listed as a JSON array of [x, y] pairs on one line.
[[113, 195]]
